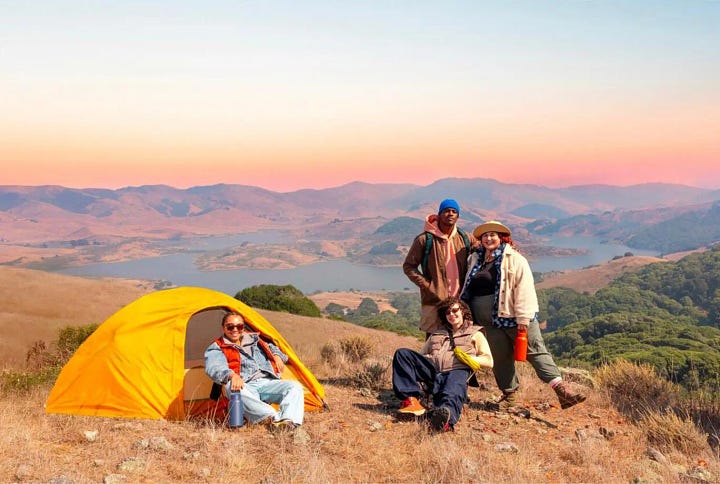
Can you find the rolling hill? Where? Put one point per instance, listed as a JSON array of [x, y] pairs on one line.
[[55, 213], [51, 227], [359, 439]]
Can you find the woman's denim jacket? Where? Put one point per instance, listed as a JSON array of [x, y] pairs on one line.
[[251, 364]]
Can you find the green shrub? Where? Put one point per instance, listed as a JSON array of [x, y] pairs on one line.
[[336, 310], [20, 382], [367, 307], [70, 338], [286, 299]]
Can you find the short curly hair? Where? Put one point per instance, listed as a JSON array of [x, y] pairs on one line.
[[447, 304]]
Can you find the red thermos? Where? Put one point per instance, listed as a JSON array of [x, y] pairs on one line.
[[521, 345]]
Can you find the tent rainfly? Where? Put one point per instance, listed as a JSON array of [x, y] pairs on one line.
[[146, 360]]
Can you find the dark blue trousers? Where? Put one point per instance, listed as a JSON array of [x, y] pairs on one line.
[[449, 388]]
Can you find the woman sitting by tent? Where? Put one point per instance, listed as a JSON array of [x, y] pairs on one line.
[[242, 362]]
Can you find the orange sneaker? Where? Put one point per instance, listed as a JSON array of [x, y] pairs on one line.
[[411, 406]]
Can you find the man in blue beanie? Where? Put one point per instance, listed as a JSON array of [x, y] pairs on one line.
[[449, 203], [437, 262]]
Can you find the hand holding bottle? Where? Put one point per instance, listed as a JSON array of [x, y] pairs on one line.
[[521, 343]]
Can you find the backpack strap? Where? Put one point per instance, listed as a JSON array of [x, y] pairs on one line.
[[428, 246], [466, 239]]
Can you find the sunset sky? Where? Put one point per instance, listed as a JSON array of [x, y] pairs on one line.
[[289, 94]]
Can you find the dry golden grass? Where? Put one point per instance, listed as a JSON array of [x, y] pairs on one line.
[[670, 432], [636, 389], [24, 254], [351, 299], [34, 305], [358, 440]]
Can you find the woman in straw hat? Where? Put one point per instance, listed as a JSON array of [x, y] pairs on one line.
[[500, 291]]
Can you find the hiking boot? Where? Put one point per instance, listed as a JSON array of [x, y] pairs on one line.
[[567, 396], [508, 401], [411, 406], [439, 419]]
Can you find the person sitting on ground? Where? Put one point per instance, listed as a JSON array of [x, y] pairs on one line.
[[241, 361], [438, 368]]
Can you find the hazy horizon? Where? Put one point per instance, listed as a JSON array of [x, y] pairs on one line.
[[352, 182], [285, 95]]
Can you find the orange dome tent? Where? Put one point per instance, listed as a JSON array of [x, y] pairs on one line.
[[146, 360]]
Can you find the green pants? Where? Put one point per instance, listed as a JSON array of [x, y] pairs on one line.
[[502, 347]]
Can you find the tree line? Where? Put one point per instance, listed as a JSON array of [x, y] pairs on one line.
[[664, 314]]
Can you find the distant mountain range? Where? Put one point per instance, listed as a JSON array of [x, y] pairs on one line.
[[50, 216]]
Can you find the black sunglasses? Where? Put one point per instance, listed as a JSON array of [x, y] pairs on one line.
[[231, 327]]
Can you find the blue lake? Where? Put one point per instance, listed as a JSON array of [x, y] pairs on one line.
[[597, 252], [340, 275]]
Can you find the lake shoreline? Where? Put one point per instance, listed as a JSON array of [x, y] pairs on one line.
[[336, 274]]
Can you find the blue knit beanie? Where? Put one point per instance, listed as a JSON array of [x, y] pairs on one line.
[[449, 203]]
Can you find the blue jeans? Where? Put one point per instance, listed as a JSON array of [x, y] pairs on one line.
[[257, 394]]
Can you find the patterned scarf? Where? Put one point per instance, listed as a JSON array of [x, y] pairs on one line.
[[497, 321]]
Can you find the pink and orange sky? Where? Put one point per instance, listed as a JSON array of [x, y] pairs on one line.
[[288, 95]]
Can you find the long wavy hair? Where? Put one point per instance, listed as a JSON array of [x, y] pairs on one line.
[[508, 240], [447, 304]]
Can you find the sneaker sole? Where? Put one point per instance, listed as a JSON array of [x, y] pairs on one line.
[[572, 403], [417, 413]]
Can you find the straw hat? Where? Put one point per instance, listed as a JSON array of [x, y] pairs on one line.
[[491, 226]]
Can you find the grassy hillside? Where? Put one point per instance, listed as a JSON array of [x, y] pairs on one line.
[[666, 315], [685, 232], [593, 278], [35, 304], [358, 440]]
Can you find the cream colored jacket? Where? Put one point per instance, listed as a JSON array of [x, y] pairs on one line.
[[517, 298]]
